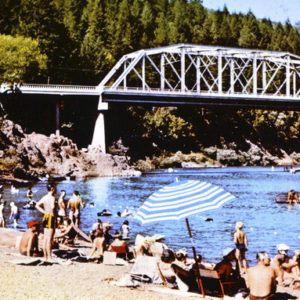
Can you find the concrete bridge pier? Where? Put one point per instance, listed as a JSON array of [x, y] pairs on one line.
[[99, 130]]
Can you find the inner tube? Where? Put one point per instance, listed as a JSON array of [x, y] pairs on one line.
[[104, 213]]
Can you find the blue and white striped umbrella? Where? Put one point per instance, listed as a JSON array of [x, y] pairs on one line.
[[181, 199]]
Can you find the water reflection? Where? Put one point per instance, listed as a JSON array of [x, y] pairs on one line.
[[266, 222]]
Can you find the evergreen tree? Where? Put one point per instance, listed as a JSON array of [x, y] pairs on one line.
[[250, 34]]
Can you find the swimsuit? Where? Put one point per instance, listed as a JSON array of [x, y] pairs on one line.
[[241, 247], [61, 212], [16, 216], [48, 221]]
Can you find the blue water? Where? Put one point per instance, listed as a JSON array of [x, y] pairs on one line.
[[266, 223]]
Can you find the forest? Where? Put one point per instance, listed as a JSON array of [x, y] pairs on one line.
[[79, 41]]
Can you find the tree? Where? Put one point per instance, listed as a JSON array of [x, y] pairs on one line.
[[20, 59], [250, 34]]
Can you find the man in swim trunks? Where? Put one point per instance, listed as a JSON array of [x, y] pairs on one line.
[[61, 205], [74, 205], [29, 241], [47, 206], [14, 213], [261, 278], [2, 220]]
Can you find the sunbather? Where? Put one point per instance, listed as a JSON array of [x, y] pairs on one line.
[[261, 278], [29, 241], [118, 245], [225, 268], [282, 264], [98, 244]]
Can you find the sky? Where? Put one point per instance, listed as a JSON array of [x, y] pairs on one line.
[[275, 10]]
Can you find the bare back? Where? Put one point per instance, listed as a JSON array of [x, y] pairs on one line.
[[261, 280], [47, 205], [75, 203]]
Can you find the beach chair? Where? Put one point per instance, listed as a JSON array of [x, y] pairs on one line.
[[213, 284]]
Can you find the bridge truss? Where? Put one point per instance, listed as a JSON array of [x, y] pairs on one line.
[[205, 75]]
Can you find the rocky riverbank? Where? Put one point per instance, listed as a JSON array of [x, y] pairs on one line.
[[34, 156], [215, 157]]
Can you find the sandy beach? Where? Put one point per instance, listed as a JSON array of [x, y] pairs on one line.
[[80, 281]]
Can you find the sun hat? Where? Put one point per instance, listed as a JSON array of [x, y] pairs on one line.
[[282, 247], [227, 251], [12, 203]]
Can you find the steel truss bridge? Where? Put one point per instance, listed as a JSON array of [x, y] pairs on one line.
[[204, 75], [190, 74]]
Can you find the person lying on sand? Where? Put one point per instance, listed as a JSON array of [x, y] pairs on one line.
[[29, 241]]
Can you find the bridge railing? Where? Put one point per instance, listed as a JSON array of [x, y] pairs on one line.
[[57, 88], [138, 90]]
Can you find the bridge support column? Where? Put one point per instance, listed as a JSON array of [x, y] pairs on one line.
[[99, 130], [57, 112]]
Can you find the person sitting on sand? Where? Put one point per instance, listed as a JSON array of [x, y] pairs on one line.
[[261, 278], [98, 245], [225, 268], [282, 264], [29, 242], [296, 270], [241, 244], [2, 220], [118, 245], [66, 233], [292, 197], [181, 259]]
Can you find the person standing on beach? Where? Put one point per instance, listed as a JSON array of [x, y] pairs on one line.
[[14, 214], [62, 205], [74, 205], [241, 244], [2, 220], [47, 207]]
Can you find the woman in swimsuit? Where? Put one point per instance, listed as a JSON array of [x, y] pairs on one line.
[[241, 245]]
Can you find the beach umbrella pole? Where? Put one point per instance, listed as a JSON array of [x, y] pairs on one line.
[[198, 278]]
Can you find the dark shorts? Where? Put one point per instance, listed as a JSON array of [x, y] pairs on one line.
[[16, 216], [241, 247], [48, 221]]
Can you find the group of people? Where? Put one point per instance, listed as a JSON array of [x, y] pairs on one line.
[[14, 213], [55, 219]]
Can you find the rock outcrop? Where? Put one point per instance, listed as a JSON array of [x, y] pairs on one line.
[[31, 156]]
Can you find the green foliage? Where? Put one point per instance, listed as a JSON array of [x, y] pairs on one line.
[[167, 124], [20, 59]]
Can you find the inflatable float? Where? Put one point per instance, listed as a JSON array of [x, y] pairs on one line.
[[283, 198]]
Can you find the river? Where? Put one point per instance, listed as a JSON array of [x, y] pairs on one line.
[[266, 222]]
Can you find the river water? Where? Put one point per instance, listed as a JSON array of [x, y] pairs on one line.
[[266, 222]]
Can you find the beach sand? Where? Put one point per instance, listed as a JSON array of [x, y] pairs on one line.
[[76, 281]]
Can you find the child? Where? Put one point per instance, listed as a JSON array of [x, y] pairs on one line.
[[241, 244]]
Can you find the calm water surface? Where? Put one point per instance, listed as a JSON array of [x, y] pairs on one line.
[[266, 223]]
